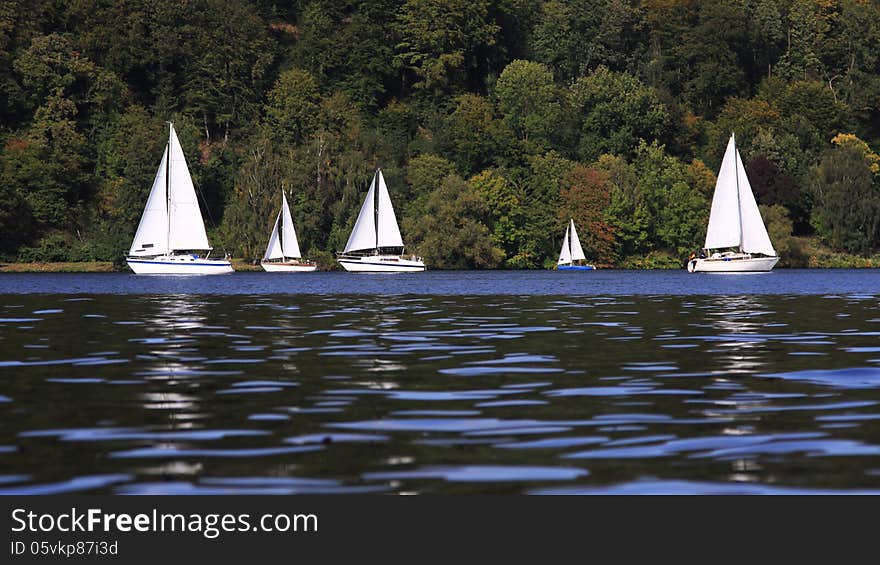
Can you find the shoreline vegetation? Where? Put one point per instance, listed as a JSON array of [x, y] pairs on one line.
[[810, 255]]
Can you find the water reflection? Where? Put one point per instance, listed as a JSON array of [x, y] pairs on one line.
[[289, 394], [739, 322]]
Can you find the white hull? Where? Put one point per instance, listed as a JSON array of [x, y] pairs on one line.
[[179, 265], [381, 264], [288, 267], [734, 264]]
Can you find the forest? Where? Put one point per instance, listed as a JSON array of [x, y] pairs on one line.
[[494, 122]]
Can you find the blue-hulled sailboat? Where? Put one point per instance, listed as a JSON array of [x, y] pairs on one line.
[[572, 252]]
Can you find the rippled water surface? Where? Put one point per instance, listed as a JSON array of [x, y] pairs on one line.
[[436, 383]]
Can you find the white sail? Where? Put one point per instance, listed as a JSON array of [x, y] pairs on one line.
[[565, 253], [186, 228], [724, 225], [755, 238], [388, 231], [577, 252], [363, 235], [273, 250], [289, 244], [151, 237]]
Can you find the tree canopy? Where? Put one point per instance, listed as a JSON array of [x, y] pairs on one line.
[[494, 121]]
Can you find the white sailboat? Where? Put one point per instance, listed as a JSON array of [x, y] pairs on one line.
[[172, 223], [375, 244], [572, 251], [736, 239], [284, 246]]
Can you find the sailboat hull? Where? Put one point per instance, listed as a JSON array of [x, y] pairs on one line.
[[575, 267], [381, 264], [288, 267], [179, 265], [733, 264]]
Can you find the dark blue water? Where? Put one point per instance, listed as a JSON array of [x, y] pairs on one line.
[[530, 283], [490, 382]]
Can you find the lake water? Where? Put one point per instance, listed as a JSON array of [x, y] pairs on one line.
[[441, 382]]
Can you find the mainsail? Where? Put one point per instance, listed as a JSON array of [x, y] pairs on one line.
[[577, 252], [735, 220], [289, 243], [388, 233], [186, 229], [755, 238]]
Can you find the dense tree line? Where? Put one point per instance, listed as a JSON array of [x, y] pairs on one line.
[[494, 121]]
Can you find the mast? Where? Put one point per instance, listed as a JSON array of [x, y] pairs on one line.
[[281, 224], [738, 204], [376, 207], [168, 187], [570, 225]]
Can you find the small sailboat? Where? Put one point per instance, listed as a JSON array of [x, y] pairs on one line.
[[736, 239], [282, 254], [171, 227], [571, 252], [375, 244]]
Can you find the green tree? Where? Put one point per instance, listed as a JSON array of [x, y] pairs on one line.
[[616, 111], [850, 140], [470, 132], [541, 183], [573, 36], [396, 126], [807, 26], [128, 154], [444, 42], [51, 67], [767, 34], [528, 100], [625, 213], [507, 218], [698, 50], [348, 46], [678, 208], [49, 166], [247, 221], [228, 56], [657, 202], [293, 106], [16, 218], [424, 174], [846, 214], [453, 233], [330, 172], [779, 228], [744, 117]]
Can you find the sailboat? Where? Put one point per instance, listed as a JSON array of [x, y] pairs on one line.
[[171, 226], [572, 251], [736, 239], [280, 248], [375, 245]]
